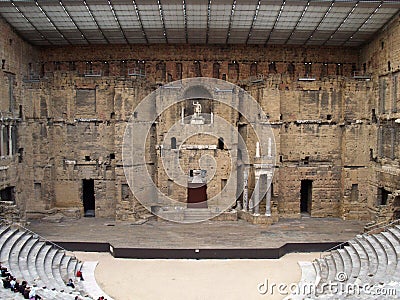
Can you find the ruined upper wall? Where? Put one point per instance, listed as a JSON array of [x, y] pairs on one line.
[[382, 55], [200, 52], [17, 56], [172, 62]]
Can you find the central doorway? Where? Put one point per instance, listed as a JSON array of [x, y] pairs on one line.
[[197, 189], [305, 196], [88, 197], [197, 195]]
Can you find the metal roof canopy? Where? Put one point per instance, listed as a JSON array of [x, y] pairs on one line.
[[277, 22]]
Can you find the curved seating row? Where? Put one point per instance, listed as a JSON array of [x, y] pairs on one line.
[[40, 263], [368, 259]]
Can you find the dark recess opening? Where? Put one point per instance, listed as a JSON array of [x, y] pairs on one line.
[[373, 117], [383, 196], [305, 196], [8, 194], [88, 197], [220, 143], [20, 155], [173, 143]]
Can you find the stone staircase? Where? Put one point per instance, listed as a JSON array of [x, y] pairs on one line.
[[371, 260], [192, 215], [28, 257]]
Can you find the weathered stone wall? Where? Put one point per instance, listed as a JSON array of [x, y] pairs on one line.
[[381, 58], [71, 112], [91, 111], [18, 59]]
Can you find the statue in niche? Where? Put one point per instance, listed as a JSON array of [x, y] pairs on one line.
[[197, 119], [197, 109]]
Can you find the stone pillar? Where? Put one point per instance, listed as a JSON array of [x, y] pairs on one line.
[[1, 140], [256, 195], [183, 115], [269, 147], [10, 150], [257, 149], [268, 196], [245, 189]]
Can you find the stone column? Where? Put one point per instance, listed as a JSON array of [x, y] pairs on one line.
[[10, 149], [269, 147], [268, 196], [245, 190], [1, 140], [257, 149], [256, 197], [183, 115]]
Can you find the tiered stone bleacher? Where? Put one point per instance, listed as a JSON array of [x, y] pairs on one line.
[[371, 260], [40, 263]]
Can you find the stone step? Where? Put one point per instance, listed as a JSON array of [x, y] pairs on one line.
[[396, 241], [355, 263], [7, 294], [5, 245], [89, 284], [317, 272], [64, 268], [382, 259], [339, 263], [23, 259], [56, 269], [3, 230], [39, 266], [14, 255], [48, 267], [196, 214], [347, 262], [54, 294], [78, 266], [364, 262], [391, 253], [323, 273], [38, 263], [71, 267], [6, 252], [372, 256], [330, 262], [394, 232]]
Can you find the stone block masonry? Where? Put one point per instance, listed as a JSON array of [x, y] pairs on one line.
[[337, 136]]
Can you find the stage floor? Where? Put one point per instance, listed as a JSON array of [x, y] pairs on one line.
[[205, 235]]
